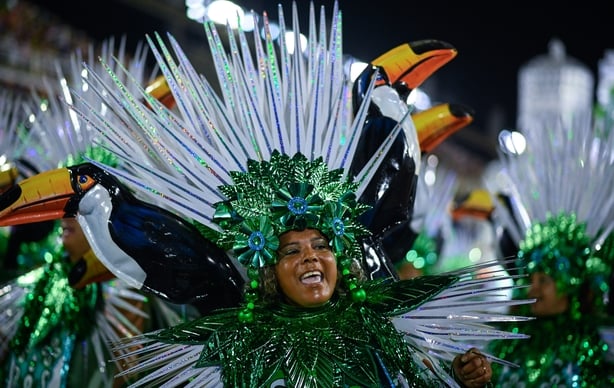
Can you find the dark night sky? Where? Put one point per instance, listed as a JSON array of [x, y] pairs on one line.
[[493, 40]]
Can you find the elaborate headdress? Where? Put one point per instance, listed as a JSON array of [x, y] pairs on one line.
[[289, 193], [271, 154], [560, 208]]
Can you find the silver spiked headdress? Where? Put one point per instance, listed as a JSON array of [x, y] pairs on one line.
[[270, 152]]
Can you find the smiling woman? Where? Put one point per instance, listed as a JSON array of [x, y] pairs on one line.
[[276, 174], [306, 269]]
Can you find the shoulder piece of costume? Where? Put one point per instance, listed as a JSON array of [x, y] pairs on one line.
[[271, 152], [309, 347]]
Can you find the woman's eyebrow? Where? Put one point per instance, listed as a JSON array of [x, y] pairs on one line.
[[288, 244]]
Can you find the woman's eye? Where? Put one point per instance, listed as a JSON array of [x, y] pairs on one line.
[[289, 252]]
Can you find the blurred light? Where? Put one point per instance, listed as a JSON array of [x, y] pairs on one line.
[[429, 177], [44, 105], [84, 85], [247, 22], [432, 161], [512, 142], [223, 11], [273, 29], [196, 12], [290, 42], [356, 67], [419, 99], [475, 254]]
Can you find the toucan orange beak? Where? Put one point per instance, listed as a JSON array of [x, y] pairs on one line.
[[160, 90], [42, 197], [478, 205], [88, 270], [412, 63], [8, 175], [437, 123]]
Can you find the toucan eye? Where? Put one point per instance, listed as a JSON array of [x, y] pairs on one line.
[[85, 182]]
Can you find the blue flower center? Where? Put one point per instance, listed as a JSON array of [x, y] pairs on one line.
[[338, 226], [256, 241], [297, 205]]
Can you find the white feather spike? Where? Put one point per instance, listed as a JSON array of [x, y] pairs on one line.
[[460, 317], [13, 136], [433, 200], [566, 168], [266, 103]]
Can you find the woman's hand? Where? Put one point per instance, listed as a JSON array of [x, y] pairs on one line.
[[472, 369]]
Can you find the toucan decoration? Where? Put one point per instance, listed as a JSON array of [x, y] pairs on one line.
[[149, 247], [391, 192]]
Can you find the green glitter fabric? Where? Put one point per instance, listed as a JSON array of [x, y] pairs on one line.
[[560, 248], [563, 351], [96, 153], [36, 253], [341, 344], [56, 317], [53, 303]]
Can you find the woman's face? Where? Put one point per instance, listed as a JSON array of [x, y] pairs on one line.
[[306, 269], [548, 302]]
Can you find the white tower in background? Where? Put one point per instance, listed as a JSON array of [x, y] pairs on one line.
[[553, 86], [605, 87]]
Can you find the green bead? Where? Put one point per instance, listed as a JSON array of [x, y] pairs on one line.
[[246, 316], [359, 295]]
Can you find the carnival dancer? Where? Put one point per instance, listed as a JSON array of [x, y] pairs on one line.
[[559, 212], [258, 177]]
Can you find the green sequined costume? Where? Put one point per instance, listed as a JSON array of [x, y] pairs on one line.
[[57, 335], [272, 153], [341, 344], [563, 351]]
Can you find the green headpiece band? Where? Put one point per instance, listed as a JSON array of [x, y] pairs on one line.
[[287, 193], [560, 248]]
